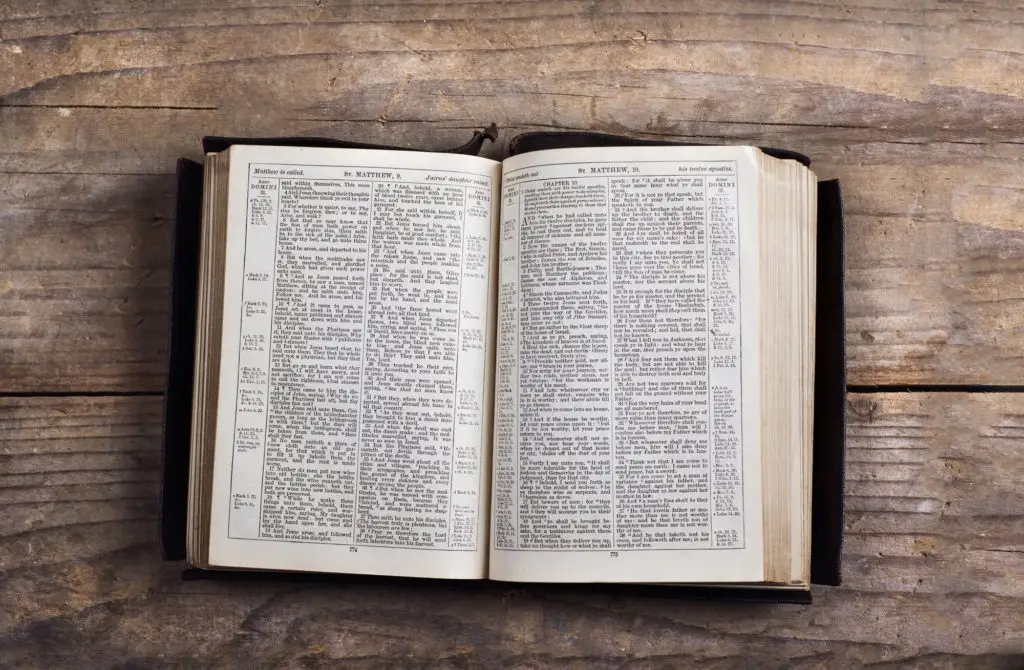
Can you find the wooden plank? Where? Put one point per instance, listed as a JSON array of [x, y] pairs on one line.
[[916, 108], [933, 562], [901, 52], [84, 281]]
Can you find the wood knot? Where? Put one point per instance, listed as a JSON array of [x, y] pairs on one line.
[[863, 408]]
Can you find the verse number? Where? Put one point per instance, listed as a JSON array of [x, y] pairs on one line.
[[613, 554]]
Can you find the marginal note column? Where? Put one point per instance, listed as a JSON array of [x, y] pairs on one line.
[[467, 468], [724, 378], [505, 494], [253, 358]]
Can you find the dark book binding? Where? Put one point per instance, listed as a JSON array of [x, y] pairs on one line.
[[216, 143], [829, 385]]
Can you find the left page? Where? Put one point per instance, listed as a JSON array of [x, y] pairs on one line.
[[353, 429]]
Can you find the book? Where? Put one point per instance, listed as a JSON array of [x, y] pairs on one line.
[[586, 363]]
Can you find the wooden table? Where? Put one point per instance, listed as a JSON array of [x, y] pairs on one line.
[[919, 110]]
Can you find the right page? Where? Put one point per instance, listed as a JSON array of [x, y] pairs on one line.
[[627, 403]]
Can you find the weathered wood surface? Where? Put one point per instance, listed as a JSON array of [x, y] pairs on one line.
[[934, 561], [919, 109]]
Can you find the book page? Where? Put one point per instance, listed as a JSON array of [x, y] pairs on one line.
[[627, 426], [353, 417]]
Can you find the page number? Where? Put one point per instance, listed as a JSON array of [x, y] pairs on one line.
[[613, 554], [353, 550]]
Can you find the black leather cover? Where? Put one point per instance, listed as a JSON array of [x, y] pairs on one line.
[[828, 487], [830, 382], [214, 144], [180, 359], [442, 588]]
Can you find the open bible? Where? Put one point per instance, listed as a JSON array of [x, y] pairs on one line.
[[584, 364]]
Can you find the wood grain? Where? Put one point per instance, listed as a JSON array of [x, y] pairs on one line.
[[917, 108], [84, 287], [934, 566]]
